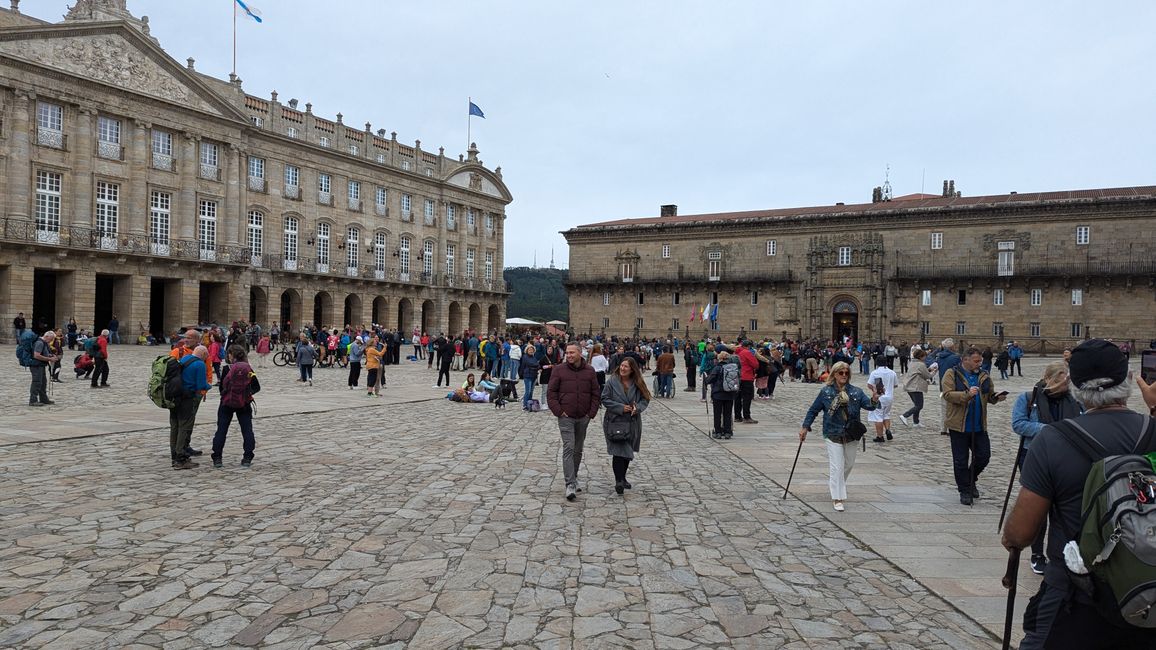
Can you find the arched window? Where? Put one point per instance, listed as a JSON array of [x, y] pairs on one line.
[[379, 255], [427, 261], [352, 239], [256, 237], [323, 247], [403, 257]]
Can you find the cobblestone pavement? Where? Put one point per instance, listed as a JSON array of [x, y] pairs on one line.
[[415, 521]]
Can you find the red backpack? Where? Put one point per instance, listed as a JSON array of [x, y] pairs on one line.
[[236, 391]]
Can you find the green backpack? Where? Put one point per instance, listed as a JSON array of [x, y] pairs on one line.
[[1117, 535]]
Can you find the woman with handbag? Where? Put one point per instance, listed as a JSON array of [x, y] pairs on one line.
[[840, 403], [625, 396]]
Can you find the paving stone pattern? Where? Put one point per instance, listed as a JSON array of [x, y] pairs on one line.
[[410, 521]]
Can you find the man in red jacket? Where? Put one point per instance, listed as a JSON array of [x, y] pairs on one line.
[[573, 396], [748, 365]]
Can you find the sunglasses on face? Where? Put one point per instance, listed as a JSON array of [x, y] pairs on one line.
[[842, 372]]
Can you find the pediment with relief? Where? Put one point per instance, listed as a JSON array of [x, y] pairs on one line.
[[108, 58], [477, 180]]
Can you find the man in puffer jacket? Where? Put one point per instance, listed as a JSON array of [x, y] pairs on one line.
[[573, 396]]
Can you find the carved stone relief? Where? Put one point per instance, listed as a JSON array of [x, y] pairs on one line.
[[1023, 240]]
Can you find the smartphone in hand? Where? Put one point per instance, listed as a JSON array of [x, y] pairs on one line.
[[1148, 365]]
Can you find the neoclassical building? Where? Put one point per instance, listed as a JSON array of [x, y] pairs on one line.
[[132, 184], [1047, 269]]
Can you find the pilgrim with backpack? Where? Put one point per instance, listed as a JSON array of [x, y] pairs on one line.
[[238, 386]]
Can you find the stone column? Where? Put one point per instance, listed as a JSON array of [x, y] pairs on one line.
[[74, 296], [189, 299], [184, 210], [139, 290], [19, 181], [230, 219], [136, 204], [82, 165]]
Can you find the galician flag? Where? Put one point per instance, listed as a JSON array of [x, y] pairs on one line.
[[253, 12]]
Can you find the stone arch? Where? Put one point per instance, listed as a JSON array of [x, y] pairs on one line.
[[494, 321], [428, 316], [404, 315], [455, 319], [476, 323], [379, 310], [844, 312], [352, 315], [322, 309], [290, 313], [258, 305]]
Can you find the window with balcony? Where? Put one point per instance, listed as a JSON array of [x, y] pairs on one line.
[[48, 207], [256, 174], [427, 258], [50, 125], [406, 207], [403, 257], [925, 298], [210, 157], [160, 221], [1034, 330], [714, 270], [936, 241], [380, 201], [354, 195], [379, 255], [323, 230], [627, 269], [289, 244], [352, 250], [108, 138], [470, 263], [1077, 297], [292, 182], [324, 189], [1083, 235], [997, 297], [997, 329], [451, 217], [255, 236], [772, 247], [162, 150], [107, 213], [665, 251], [450, 252], [429, 212], [844, 256], [1007, 258], [489, 267], [207, 229], [1037, 297]]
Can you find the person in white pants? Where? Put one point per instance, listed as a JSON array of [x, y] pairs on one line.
[[840, 403], [885, 378]]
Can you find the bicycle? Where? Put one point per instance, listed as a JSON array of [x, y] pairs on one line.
[[286, 356]]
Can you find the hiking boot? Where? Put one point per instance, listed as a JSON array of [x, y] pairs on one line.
[[35, 404], [889, 436], [965, 499], [626, 484], [1038, 564], [246, 462], [188, 464], [619, 488], [217, 462], [974, 492], [571, 494], [189, 451]]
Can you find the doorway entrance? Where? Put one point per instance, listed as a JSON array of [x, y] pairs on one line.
[[845, 321]]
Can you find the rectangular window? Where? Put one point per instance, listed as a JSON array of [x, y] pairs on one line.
[[49, 117], [1077, 330], [641, 298], [753, 325], [256, 167], [323, 247], [207, 229], [714, 270], [754, 297], [1037, 297], [1077, 297], [961, 297], [354, 150], [674, 325], [675, 298], [451, 217], [107, 213], [997, 297], [381, 159], [638, 323], [379, 255], [1034, 330], [292, 176], [108, 138], [605, 299], [162, 150], [381, 196], [324, 189], [605, 322], [406, 205], [323, 141], [960, 327], [489, 223], [925, 298], [936, 241], [48, 207], [354, 191], [925, 328], [772, 247], [627, 272], [289, 252], [403, 257], [489, 270], [844, 256], [997, 329], [471, 218], [714, 255], [665, 251], [470, 263], [256, 236], [405, 165], [210, 154], [160, 221], [291, 132], [429, 209], [427, 261], [352, 250], [450, 251], [1083, 235]]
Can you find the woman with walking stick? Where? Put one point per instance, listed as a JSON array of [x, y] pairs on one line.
[[840, 404]]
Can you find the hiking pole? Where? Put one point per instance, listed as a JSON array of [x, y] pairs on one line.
[[788, 488], [1007, 497], [1009, 581]]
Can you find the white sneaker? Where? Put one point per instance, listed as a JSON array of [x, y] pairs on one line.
[[838, 506], [903, 419], [571, 494]]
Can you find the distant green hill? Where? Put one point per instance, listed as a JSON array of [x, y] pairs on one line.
[[537, 294]]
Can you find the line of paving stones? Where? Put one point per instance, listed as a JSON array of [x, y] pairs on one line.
[[434, 525]]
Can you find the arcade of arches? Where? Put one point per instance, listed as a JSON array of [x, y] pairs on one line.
[[330, 309]]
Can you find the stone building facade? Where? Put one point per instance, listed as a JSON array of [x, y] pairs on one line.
[[136, 186], [1046, 269]]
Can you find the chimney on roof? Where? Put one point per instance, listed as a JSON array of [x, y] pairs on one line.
[[945, 194], [877, 195], [668, 210], [951, 188]]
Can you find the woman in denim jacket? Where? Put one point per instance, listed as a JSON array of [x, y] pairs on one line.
[[840, 403]]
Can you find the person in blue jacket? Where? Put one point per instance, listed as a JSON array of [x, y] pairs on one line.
[[946, 358], [840, 404]]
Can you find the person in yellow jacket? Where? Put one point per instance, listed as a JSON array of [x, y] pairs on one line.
[[373, 367]]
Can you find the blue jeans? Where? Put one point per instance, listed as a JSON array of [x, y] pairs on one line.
[[510, 368], [224, 419], [527, 391], [114, 336], [666, 384]]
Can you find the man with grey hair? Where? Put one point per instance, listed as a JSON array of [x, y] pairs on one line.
[[183, 416], [946, 358], [42, 357], [100, 356], [1053, 478]]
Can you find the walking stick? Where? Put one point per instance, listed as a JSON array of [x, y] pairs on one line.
[[788, 488], [1009, 581], [1007, 497]]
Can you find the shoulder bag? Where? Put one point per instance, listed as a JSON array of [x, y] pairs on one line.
[[619, 430]]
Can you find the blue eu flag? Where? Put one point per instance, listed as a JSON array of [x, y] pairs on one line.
[[474, 110]]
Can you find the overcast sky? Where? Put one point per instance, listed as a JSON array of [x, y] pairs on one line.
[[606, 109]]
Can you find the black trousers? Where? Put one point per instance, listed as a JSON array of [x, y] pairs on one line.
[[691, 371], [723, 424], [743, 402], [444, 371], [100, 372], [903, 364], [619, 464], [354, 373]]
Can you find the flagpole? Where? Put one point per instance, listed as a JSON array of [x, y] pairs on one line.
[[234, 38], [469, 121]]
